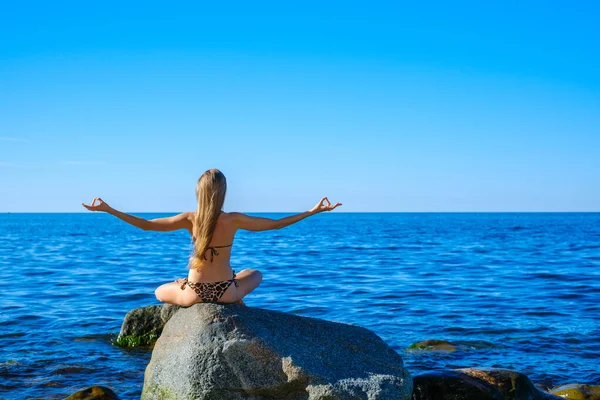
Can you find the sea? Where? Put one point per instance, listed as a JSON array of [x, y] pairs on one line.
[[510, 290]]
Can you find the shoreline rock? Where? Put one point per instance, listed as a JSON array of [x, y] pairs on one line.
[[472, 383], [577, 391], [232, 352], [142, 326], [433, 345], [94, 393]]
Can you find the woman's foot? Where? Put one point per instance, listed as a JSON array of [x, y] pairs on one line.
[[240, 302]]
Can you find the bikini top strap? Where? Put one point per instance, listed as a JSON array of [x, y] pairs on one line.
[[214, 252]]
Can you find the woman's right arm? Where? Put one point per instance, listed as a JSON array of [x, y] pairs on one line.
[[180, 221], [249, 223]]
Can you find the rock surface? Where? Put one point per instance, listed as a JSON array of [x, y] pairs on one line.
[[469, 383], [142, 326], [94, 393], [577, 392], [433, 345], [231, 352]]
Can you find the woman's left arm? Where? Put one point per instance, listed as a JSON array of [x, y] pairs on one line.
[[180, 221], [256, 224]]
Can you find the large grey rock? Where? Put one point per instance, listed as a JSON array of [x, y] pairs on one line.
[[476, 384], [142, 326], [231, 352]]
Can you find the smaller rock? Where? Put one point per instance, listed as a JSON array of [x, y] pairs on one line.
[[94, 393], [142, 326], [481, 384], [433, 345], [577, 391]]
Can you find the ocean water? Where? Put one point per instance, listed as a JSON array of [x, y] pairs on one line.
[[512, 290]]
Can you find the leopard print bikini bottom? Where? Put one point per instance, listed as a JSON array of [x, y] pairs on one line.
[[210, 291]]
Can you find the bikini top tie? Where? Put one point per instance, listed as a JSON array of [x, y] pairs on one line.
[[214, 252]]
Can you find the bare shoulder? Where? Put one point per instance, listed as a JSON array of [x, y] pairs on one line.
[[189, 215], [237, 216], [229, 217]]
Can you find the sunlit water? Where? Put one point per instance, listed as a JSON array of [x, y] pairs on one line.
[[518, 291]]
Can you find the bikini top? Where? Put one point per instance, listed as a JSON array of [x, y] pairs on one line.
[[214, 252]]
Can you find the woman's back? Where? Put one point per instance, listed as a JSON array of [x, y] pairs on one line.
[[217, 257]]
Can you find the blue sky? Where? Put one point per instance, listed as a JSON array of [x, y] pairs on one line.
[[384, 106]]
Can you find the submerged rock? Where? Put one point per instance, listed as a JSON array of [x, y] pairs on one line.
[[232, 352], [577, 391], [94, 393], [480, 384], [433, 345], [142, 326]]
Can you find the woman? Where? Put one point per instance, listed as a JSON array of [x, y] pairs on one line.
[[210, 277]]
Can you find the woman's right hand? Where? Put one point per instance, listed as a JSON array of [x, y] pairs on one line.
[[324, 205], [101, 206]]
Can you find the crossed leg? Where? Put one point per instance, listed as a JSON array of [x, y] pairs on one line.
[[171, 293], [247, 279]]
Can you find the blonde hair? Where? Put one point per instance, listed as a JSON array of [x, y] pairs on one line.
[[210, 192]]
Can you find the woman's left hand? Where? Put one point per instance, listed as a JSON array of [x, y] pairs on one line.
[[101, 206]]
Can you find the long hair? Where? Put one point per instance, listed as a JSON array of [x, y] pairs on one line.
[[210, 192]]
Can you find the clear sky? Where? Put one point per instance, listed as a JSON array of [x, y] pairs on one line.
[[384, 106]]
